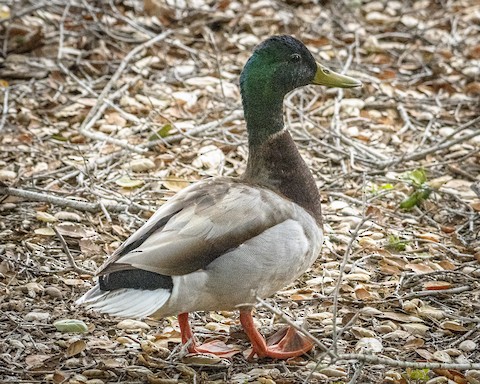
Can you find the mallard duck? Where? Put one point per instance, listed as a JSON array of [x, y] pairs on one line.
[[221, 243]]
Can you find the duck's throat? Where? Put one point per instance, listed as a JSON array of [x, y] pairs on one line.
[[263, 119], [277, 164]]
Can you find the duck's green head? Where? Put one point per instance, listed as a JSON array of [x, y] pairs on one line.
[[277, 66], [284, 63]]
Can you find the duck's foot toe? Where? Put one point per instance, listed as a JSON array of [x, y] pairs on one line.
[[215, 347], [285, 344]]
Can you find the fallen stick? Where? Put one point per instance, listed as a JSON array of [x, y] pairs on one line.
[[71, 260], [426, 152], [61, 201]]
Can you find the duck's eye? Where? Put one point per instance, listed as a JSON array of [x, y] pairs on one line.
[[295, 58], [326, 71]]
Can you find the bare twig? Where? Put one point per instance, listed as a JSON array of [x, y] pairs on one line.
[[5, 108], [71, 260], [23, 12], [106, 90], [462, 127], [235, 115], [406, 119], [429, 151], [290, 322], [61, 201], [126, 115], [85, 129], [373, 359], [336, 293]]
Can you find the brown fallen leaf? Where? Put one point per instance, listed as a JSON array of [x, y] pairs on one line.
[[436, 285], [419, 268], [175, 185], [59, 377], [453, 326], [401, 317], [428, 356], [36, 361], [75, 348], [361, 293]]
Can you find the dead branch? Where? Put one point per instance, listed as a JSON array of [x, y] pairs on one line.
[[61, 201], [437, 148], [235, 115], [85, 128], [89, 120], [365, 358], [5, 108], [24, 12], [71, 260], [389, 362], [461, 128]]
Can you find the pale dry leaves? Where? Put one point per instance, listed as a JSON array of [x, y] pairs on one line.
[[410, 285]]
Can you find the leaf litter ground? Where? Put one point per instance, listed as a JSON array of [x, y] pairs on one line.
[[109, 109]]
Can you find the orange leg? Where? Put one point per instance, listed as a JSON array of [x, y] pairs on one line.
[[215, 347], [284, 344]]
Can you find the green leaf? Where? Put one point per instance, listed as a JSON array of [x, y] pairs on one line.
[[416, 198], [59, 137], [386, 186], [161, 133], [71, 326], [418, 177], [396, 244], [419, 374]]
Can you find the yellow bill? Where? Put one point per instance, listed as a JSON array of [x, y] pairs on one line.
[[327, 77]]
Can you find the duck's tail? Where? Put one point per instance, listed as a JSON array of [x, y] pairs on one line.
[[125, 302]]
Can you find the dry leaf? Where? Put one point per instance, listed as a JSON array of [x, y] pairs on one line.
[[46, 231], [72, 230], [175, 185], [369, 345], [453, 326], [59, 377], [75, 348], [401, 317], [442, 356], [416, 328], [45, 217], [36, 361], [436, 285], [414, 344], [419, 268], [140, 165], [71, 326], [428, 356], [361, 293], [127, 182], [129, 324]]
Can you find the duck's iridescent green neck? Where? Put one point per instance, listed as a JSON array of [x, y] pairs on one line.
[[262, 103]]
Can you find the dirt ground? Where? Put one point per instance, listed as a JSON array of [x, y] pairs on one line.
[[110, 107]]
